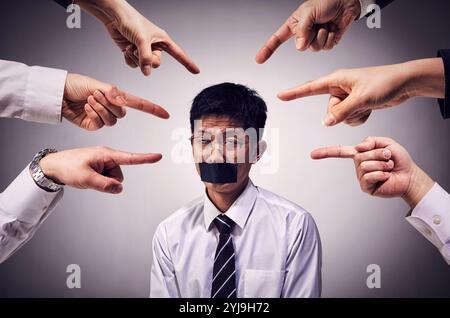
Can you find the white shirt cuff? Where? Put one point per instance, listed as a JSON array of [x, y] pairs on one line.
[[364, 6], [44, 95], [23, 200], [431, 217]]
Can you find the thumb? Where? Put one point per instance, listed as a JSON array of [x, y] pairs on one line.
[[145, 56], [341, 111], [78, 87], [111, 92], [96, 181]]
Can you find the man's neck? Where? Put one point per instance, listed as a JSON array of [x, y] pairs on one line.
[[223, 201]]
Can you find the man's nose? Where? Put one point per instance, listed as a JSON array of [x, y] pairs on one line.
[[217, 154]]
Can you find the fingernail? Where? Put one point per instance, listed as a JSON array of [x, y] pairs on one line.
[[299, 43], [115, 188], [146, 70], [121, 101], [386, 153], [329, 120]]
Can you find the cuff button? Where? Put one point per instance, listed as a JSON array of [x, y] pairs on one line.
[[437, 219]]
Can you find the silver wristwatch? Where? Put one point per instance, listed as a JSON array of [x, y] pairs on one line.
[[38, 175]]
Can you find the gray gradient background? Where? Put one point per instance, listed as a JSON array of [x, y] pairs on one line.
[[110, 236]]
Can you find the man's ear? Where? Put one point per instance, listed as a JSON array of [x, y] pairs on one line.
[[262, 146]]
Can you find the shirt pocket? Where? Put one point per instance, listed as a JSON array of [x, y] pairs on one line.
[[262, 283]]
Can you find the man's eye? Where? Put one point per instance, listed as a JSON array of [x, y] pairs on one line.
[[205, 141]]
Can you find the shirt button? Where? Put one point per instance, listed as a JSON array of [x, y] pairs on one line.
[[437, 219], [45, 208], [428, 232]]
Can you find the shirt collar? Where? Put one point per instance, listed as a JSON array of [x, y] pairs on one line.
[[238, 211]]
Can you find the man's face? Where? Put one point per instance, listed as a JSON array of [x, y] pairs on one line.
[[219, 139]]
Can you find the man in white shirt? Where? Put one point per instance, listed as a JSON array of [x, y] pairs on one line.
[[237, 240], [385, 169]]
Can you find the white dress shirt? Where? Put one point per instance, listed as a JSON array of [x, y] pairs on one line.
[[31, 93], [277, 246], [34, 94], [23, 207], [431, 217]]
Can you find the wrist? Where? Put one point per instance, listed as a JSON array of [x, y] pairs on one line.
[[425, 78], [419, 185], [38, 175], [49, 168]]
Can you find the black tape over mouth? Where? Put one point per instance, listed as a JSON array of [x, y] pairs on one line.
[[218, 172]]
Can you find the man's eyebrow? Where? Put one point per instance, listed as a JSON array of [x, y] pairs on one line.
[[224, 131], [209, 130]]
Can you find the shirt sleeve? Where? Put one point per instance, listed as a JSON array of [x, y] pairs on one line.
[[31, 93], [444, 104], [23, 207], [163, 283], [431, 217], [304, 263]]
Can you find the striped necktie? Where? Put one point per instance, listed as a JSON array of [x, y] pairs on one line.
[[224, 273]]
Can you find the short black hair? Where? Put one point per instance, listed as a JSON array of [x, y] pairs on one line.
[[236, 101]]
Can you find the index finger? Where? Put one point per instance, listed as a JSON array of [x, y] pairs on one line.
[[334, 152], [129, 158], [145, 106], [278, 38], [177, 53], [316, 87]]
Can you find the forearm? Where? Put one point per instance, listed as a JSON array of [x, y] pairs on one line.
[[425, 78], [106, 10]]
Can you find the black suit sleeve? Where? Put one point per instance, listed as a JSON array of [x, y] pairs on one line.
[[64, 3], [381, 4], [444, 103]]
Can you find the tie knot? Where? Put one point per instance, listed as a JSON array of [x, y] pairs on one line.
[[224, 224]]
